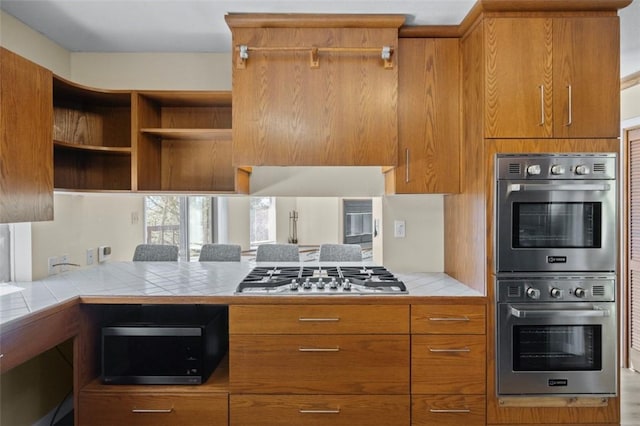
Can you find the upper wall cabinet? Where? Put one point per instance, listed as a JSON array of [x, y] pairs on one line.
[[552, 77], [26, 163], [428, 117], [315, 90], [91, 137], [182, 142]]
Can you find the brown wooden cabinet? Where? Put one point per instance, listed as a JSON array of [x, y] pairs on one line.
[[319, 364], [428, 117], [552, 77], [313, 90], [91, 138], [26, 156], [156, 405], [182, 142], [318, 410], [448, 364]]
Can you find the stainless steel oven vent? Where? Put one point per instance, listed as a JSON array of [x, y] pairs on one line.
[[599, 168], [515, 168], [513, 291], [597, 290]]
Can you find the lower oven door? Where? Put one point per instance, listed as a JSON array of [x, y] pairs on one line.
[[557, 348]]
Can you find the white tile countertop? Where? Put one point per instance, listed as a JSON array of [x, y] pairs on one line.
[[213, 282]]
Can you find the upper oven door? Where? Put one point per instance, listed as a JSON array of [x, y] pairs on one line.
[[556, 226]]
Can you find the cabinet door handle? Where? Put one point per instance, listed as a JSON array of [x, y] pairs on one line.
[[570, 95], [319, 411], [465, 349], [541, 105], [148, 411], [302, 319], [449, 319], [406, 174], [465, 410], [336, 349]]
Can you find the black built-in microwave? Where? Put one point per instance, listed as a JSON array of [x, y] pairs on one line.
[[166, 345]]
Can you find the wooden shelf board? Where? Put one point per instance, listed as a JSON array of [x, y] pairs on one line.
[[188, 134], [117, 150], [67, 91], [189, 99]]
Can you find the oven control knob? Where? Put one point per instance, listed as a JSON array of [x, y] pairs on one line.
[[558, 169], [555, 292], [533, 293], [534, 170], [582, 170], [579, 292]]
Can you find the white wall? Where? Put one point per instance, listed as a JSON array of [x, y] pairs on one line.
[[238, 221], [175, 71], [423, 247], [630, 102], [87, 221], [17, 37]]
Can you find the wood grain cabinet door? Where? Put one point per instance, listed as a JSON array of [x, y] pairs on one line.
[[317, 364], [428, 111], [448, 364], [518, 86], [26, 140], [319, 410], [586, 77]]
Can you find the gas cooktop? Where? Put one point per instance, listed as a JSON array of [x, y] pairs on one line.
[[320, 280]]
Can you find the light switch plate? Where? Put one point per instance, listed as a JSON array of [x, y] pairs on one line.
[[399, 229]]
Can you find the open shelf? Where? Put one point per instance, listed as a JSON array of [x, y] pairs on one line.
[[92, 148], [189, 134]]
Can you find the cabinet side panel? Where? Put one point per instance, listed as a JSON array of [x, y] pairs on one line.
[[26, 140]]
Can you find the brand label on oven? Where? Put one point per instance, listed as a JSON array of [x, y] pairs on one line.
[[556, 259], [558, 382]]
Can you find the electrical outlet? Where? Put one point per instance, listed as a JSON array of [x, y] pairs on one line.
[[51, 269], [104, 253], [63, 261], [90, 256]]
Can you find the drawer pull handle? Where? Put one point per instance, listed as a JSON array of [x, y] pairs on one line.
[[449, 319], [336, 349], [319, 411], [450, 411], [450, 350], [301, 319], [147, 411]]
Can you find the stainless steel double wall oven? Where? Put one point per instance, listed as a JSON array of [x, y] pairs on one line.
[[556, 260]]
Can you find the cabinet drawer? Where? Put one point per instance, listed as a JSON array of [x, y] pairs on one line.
[[308, 364], [148, 408], [451, 410], [448, 319], [316, 410], [448, 364], [318, 319]]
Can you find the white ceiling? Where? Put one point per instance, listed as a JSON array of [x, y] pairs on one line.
[[199, 26]]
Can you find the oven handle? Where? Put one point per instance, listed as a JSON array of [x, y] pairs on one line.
[[519, 187], [548, 313]]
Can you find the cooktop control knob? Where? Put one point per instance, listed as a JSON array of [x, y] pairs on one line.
[[333, 283], [320, 284], [579, 292], [558, 169], [346, 285], [582, 170], [534, 170], [294, 285], [533, 293], [307, 284], [555, 292]]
